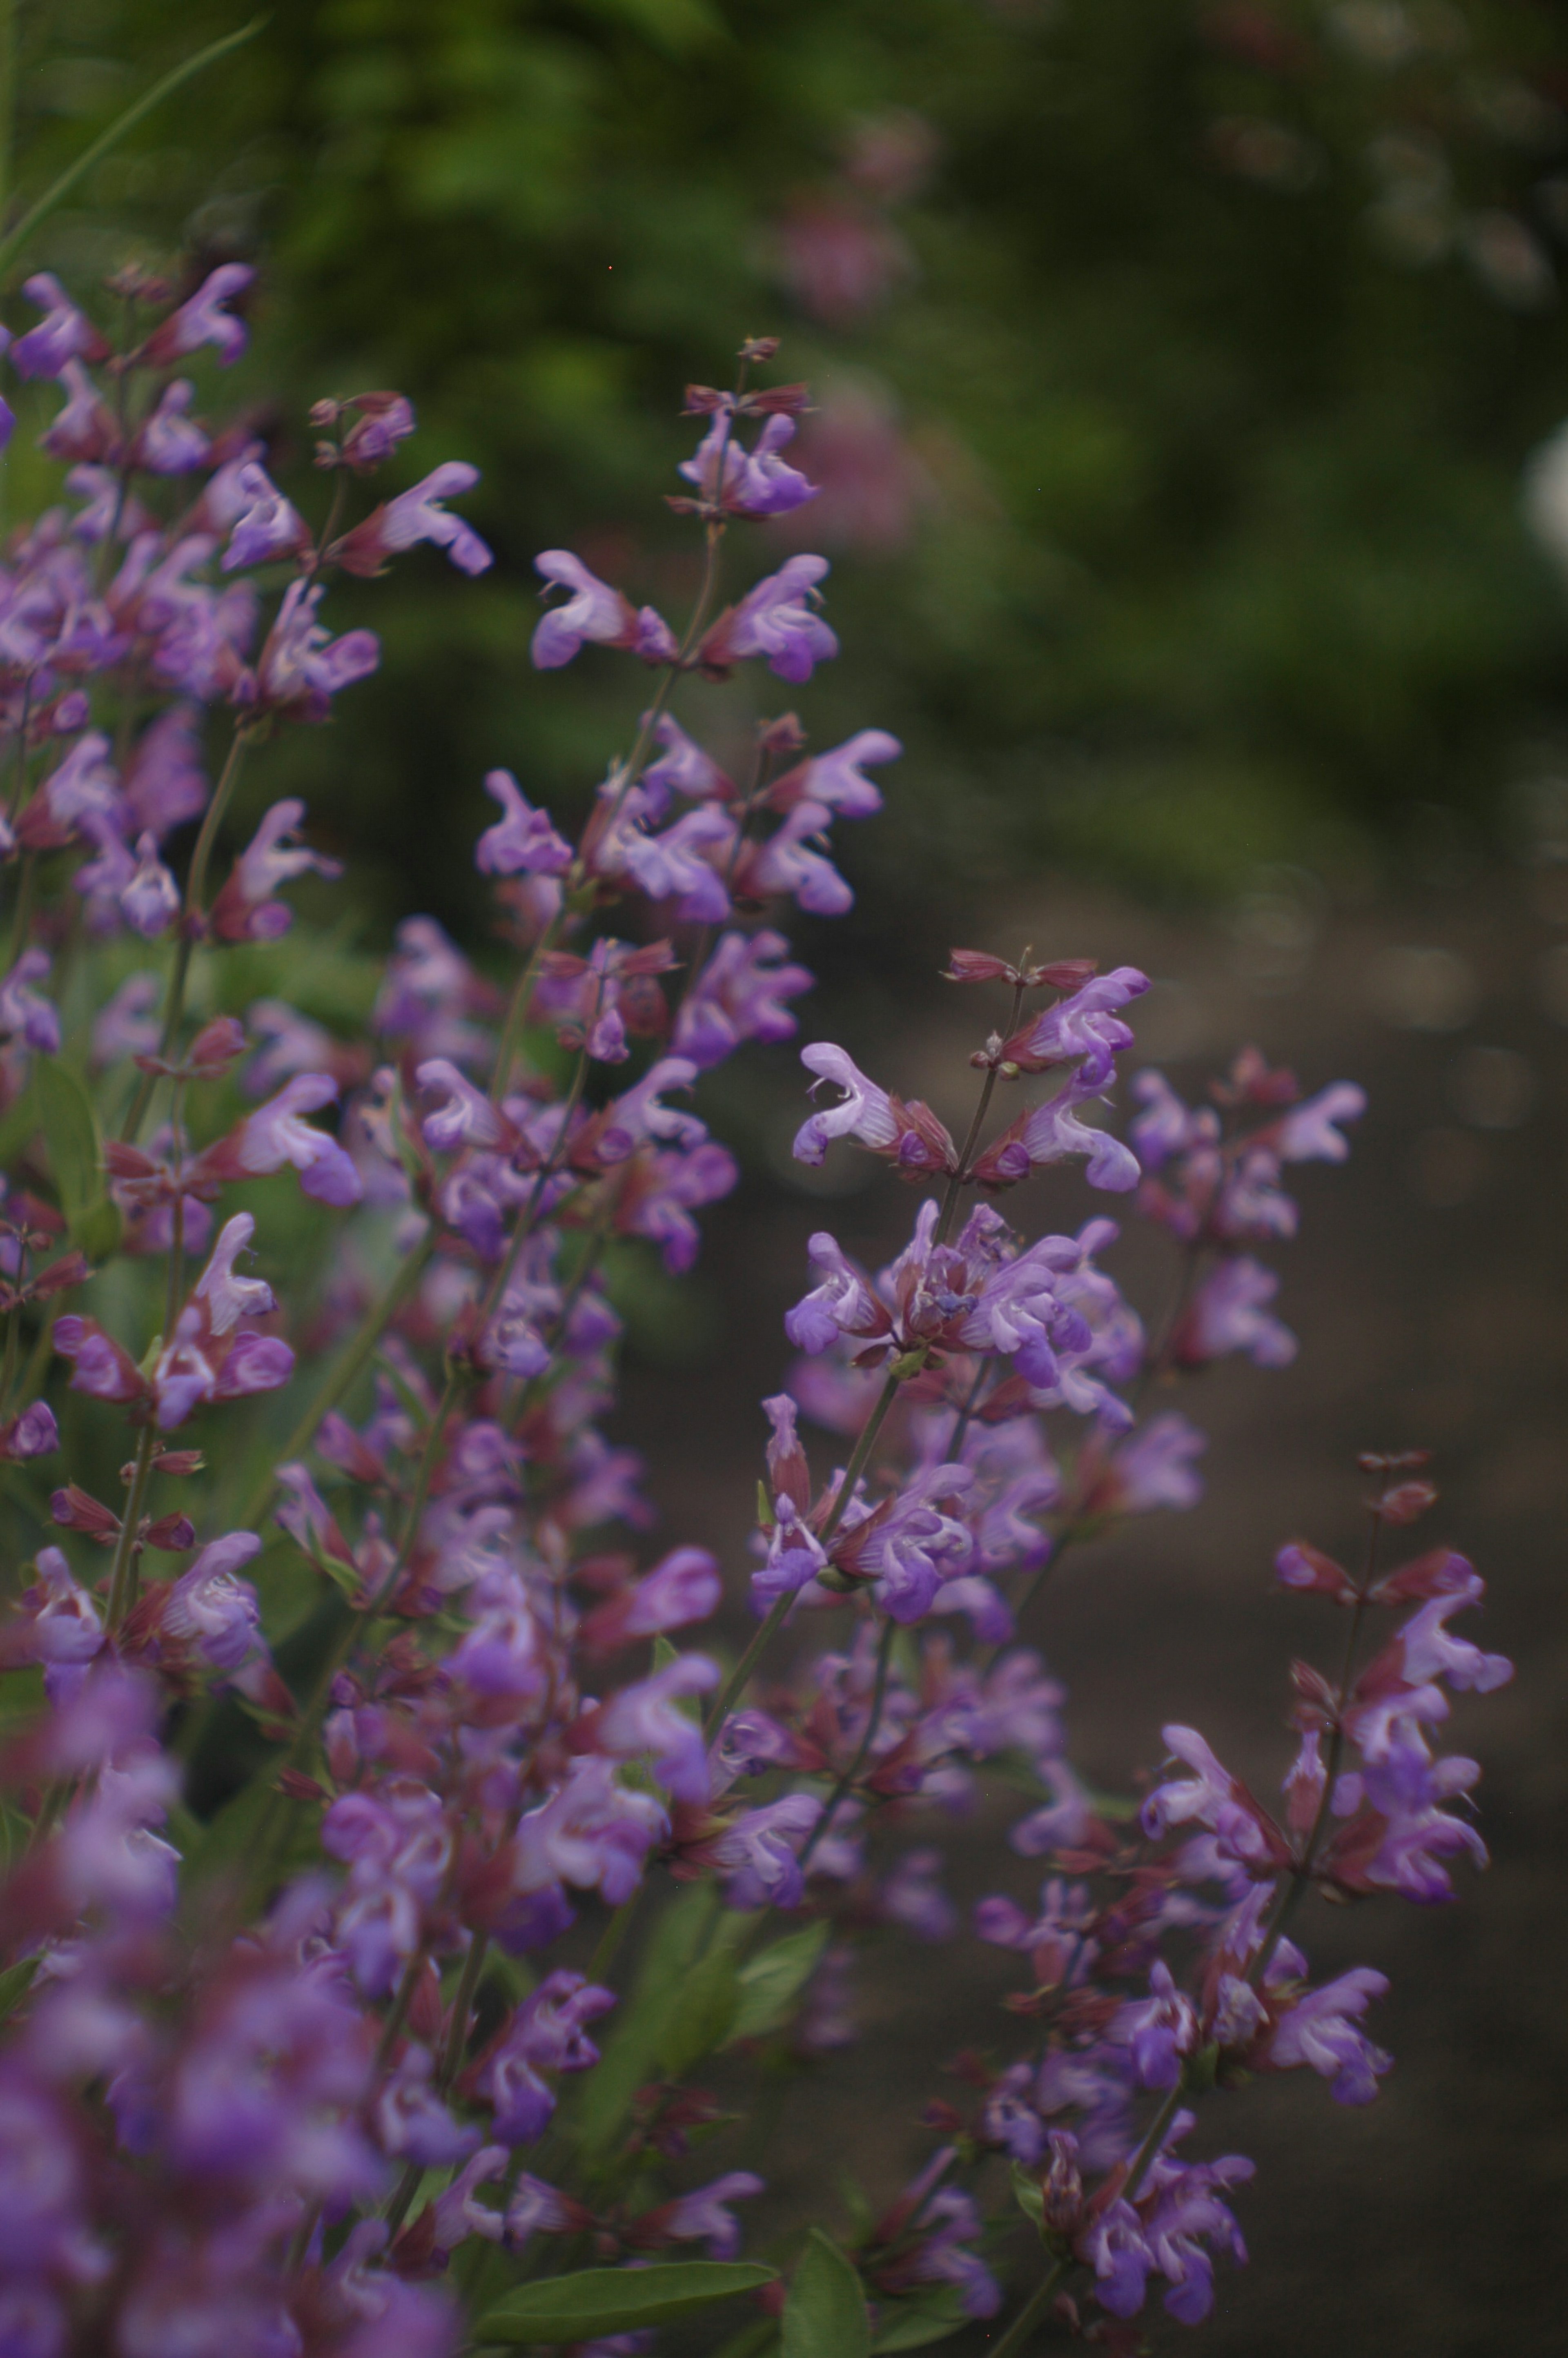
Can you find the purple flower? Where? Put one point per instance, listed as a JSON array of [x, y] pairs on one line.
[[703, 2216], [864, 1112], [593, 612], [128, 1025], [1212, 1797], [755, 483], [1322, 2030], [411, 2119], [683, 766], [758, 1852], [268, 526], [412, 517], [775, 620], [34, 1433], [523, 841], [738, 995], [170, 442], [548, 2033], [203, 320], [1083, 1028], [302, 668], [275, 1135], [24, 1015], [385, 420], [1307, 1133], [245, 910], [150, 897], [209, 1607], [1161, 2030], [786, 863], [1153, 1468], [593, 1833], [458, 2211], [686, 1587], [84, 433], [63, 334], [1228, 1314], [646, 1717], [836, 779]]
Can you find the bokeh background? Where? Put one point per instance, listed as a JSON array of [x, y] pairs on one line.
[[1180, 370]]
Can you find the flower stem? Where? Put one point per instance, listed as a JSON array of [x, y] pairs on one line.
[[1030, 2315], [123, 1579], [462, 2007], [873, 1721], [190, 918], [958, 1179]]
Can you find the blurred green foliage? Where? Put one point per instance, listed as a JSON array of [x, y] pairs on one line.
[[1184, 357]]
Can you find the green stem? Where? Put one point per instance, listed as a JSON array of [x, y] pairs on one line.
[[12, 245], [23, 919], [1030, 2315], [123, 1579], [860, 1453], [398, 2013], [356, 1354], [614, 1934], [462, 2007], [958, 1179], [873, 1721], [190, 919], [734, 1685]]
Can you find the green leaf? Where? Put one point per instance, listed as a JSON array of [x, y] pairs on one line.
[[618, 2300], [631, 2053], [63, 1110], [771, 1982], [826, 2315], [1029, 2198], [914, 2324], [707, 2004], [15, 1984]]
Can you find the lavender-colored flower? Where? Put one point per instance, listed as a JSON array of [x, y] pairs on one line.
[[1160, 2030], [1084, 1028], [788, 862], [302, 668], [245, 910], [33, 1434], [593, 1833], [84, 432], [63, 334], [1307, 1133], [275, 1135], [837, 780], [203, 320], [522, 841], [759, 1853], [170, 442], [150, 897], [1322, 2030], [1227, 1313], [1212, 1797], [24, 1015], [548, 2033], [1153, 1468], [416, 515], [864, 1112], [128, 1025], [267, 527], [646, 1717], [384, 420], [703, 2216], [212, 1609], [738, 995], [412, 2121], [777, 620], [686, 1586], [682, 767], [594, 612], [755, 483]]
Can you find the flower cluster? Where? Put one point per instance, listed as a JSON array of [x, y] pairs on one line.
[[343, 1770]]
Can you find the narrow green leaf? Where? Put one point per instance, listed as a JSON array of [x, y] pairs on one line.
[[617, 2300], [1029, 2197], [65, 1112], [12, 245], [703, 2014], [915, 2324], [632, 2051], [826, 2314], [771, 1982], [15, 1984]]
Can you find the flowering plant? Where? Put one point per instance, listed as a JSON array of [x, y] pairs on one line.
[[384, 1883]]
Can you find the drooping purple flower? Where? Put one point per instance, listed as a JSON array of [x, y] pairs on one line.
[[593, 1833], [1160, 2030], [212, 1609], [128, 1025], [267, 527], [150, 898], [165, 783], [203, 319], [738, 995], [301, 667], [864, 1112], [1322, 2030], [384, 420], [686, 1587], [836, 779], [594, 612], [245, 910], [647, 1719], [24, 1014], [1307, 1132], [411, 2119], [546, 2034], [683, 767], [275, 1135], [63, 334], [523, 841], [759, 1851], [84, 432], [789, 861], [415, 515], [777, 620], [1084, 1028], [1227, 1313], [170, 442], [703, 2216]]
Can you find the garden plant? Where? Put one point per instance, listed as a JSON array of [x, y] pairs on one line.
[[401, 1840]]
